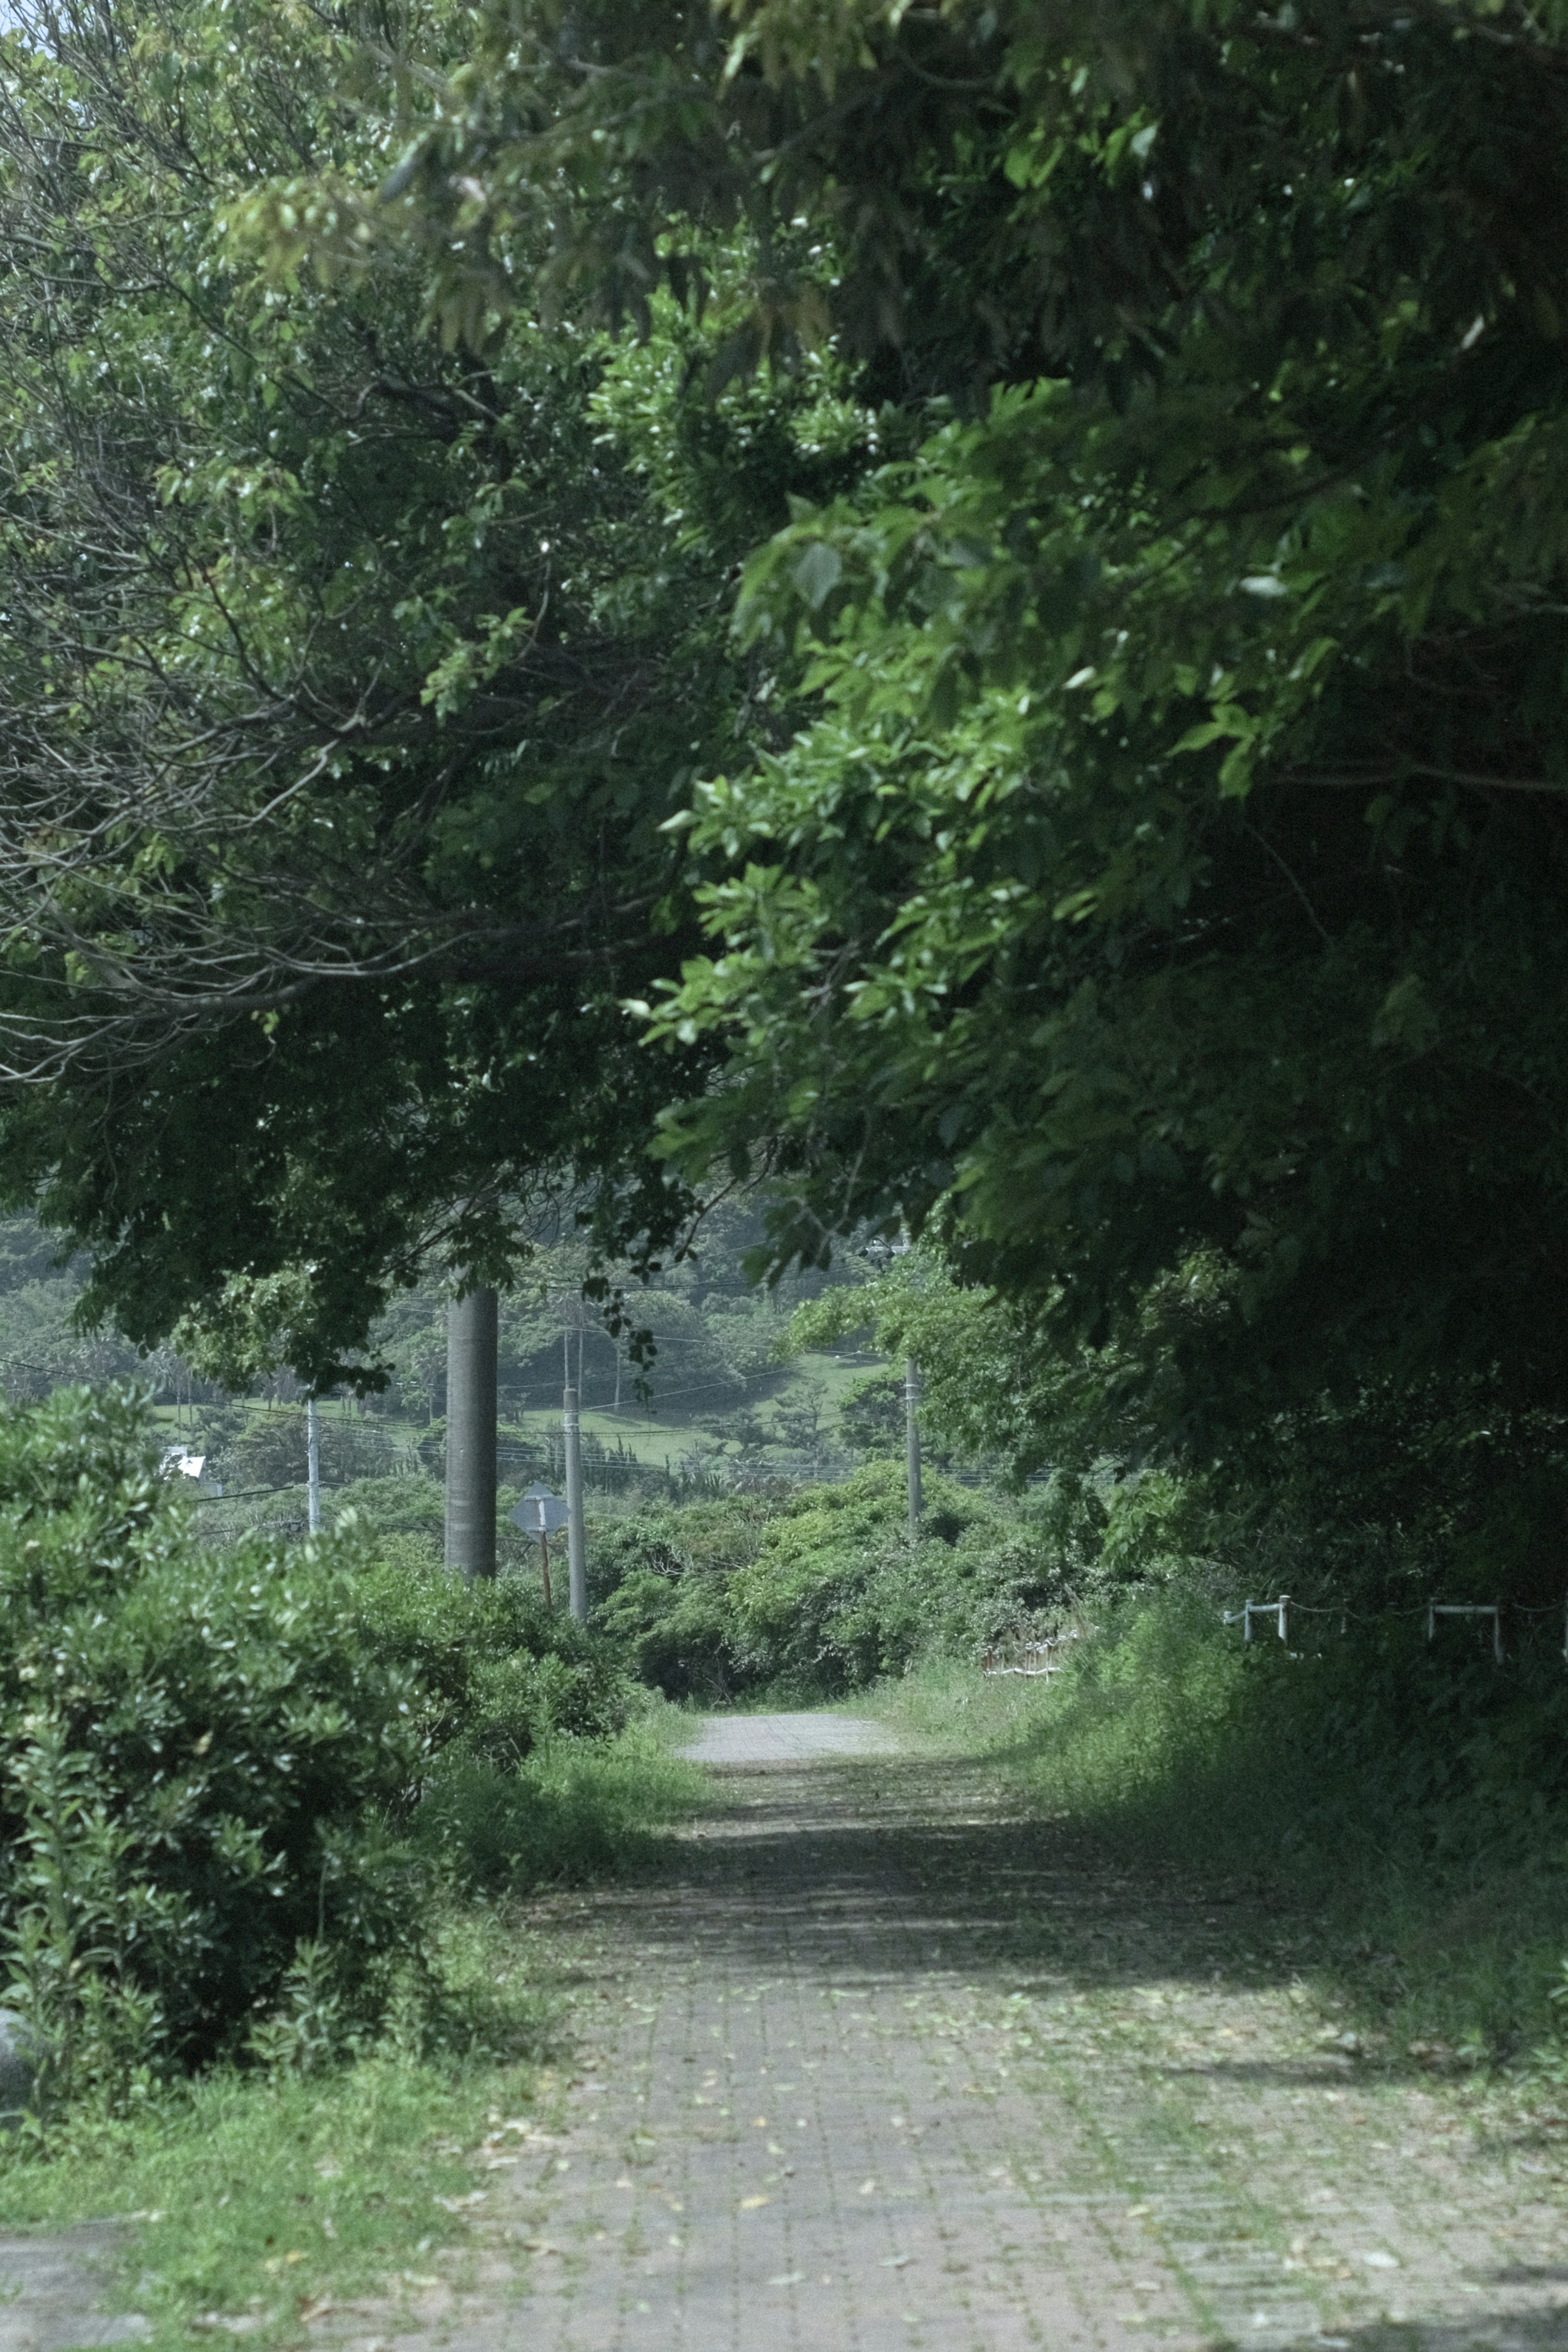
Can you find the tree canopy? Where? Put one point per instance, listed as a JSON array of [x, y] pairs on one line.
[[346, 683], [1166, 893], [1130, 824]]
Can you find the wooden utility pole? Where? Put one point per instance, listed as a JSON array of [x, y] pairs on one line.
[[471, 1433]]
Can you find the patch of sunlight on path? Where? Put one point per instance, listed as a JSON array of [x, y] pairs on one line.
[[785, 1738]]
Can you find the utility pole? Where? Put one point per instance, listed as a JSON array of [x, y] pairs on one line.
[[912, 1441], [471, 1433], [312, 1467], [577, 1542]]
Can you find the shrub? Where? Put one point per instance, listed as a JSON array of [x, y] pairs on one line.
[[211, 1762], [496, 1670], [837, 1596], [820, 1590], [407, 1506], [199, 1758], [659, 1580]]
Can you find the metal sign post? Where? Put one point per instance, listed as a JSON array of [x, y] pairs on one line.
[[540, 1514]]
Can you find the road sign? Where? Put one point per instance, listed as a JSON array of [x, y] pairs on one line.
[[539, 1512]]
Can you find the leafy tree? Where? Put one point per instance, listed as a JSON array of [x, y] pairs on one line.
[[1164, 893], [1167, 897], [347, 683], [1162, 887], [40, 1346]]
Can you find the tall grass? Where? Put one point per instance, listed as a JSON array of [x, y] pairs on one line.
[[1412, 1799], [250, 2199], [573, 1809]]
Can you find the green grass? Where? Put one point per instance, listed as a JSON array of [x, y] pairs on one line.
[[1409, 1810], [259, 2197], [577, 1809]]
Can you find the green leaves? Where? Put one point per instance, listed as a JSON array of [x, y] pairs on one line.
[[1149, 662], [816, 573], [346, 741], [1179, 784], [178, 1735], [211, 1761]]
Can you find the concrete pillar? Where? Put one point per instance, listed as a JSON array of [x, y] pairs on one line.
[[472, 1435], [576, 1545], [912, 1442]]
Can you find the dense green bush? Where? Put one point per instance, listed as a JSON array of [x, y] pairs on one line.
[[496, 1670], [403, 1519], [198, 1754], [820, 1590], [659, 1580], [211, 1763]]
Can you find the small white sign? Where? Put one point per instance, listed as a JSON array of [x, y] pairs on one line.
[[539, 1512]]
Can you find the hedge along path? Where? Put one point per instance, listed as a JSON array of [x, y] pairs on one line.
[[875, 2065]]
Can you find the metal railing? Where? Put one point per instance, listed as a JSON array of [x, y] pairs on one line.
[[1282, 1609], [1016, 1655]]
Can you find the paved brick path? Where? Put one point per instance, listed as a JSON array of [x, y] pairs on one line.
[[874, 2065], [747, 1739], [52, 2291]]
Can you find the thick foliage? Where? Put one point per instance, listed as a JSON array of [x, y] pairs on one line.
[[496, 1671], [659, 1582], [1169, 870], [347, 683], [1165, 874], [818, 1591], [1382, 1495], [1168, 884], [200, 1756], [210, 1763]]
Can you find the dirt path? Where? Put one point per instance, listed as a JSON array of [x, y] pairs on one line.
[[875, 2065]]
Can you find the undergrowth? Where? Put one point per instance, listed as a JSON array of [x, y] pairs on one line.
[[807, 1594], [575, 1810], [1412, 1801], [258, 2197]]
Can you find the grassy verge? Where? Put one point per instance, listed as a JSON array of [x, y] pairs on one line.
[[578, 1810], [1410, 1806], [253, 2201]]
